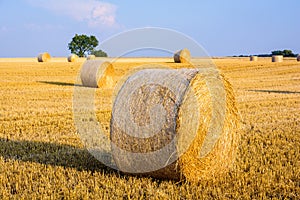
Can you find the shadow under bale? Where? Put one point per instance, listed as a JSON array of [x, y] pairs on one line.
[[60, 83], [51, 154]]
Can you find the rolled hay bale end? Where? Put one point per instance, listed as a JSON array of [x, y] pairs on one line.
[[96, 74], [278, 58], [91, 57], [253, 58], [175, 124], [44, 57], [72, 58], [182, 56], [298, 58]]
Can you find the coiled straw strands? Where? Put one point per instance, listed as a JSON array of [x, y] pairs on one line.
[[175, 124]]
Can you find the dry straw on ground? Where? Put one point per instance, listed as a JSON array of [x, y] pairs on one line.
[[72, 58], [44, 57], [182, 56], [278, 58], [197, 135], [96, 73], [91, 57], [253, 58]]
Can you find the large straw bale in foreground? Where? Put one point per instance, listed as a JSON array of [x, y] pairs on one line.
[[44, 57], [278, 58], [175, 124], [182, 56], [96, 73]]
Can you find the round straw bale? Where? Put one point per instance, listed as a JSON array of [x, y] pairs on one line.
[[72, 58], [182, 56], [96, 73], [175, 124], [298, 58], [278, 58], [253, 58], [44, 57], [91, 57]]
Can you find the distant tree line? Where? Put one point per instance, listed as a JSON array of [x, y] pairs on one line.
[[285, 53], [99, 53]]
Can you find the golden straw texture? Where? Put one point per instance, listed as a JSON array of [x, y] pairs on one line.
[[175, 124]]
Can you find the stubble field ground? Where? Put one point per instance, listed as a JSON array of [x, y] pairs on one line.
[[41, 155]]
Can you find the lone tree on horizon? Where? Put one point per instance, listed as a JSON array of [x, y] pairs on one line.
[[83, 44]]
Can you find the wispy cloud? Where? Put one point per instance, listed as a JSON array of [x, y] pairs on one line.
[[94, 12], [3, 29], [43, 27]]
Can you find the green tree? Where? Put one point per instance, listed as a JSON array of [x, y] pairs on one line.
[[99, 53], [82, 44]]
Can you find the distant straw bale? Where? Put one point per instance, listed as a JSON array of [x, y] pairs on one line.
[[44, 57], [182, 56], [278, 58], [96, 73], [72, 58], [91, 57], [253, 58]]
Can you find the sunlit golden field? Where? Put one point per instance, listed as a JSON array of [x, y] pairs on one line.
[[41, 156]]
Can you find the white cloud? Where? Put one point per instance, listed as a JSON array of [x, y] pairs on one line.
[[94, 12]]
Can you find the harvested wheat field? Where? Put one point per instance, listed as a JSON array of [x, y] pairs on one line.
[[42, 156]]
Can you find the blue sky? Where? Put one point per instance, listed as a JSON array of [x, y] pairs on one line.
[[231, 27]]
